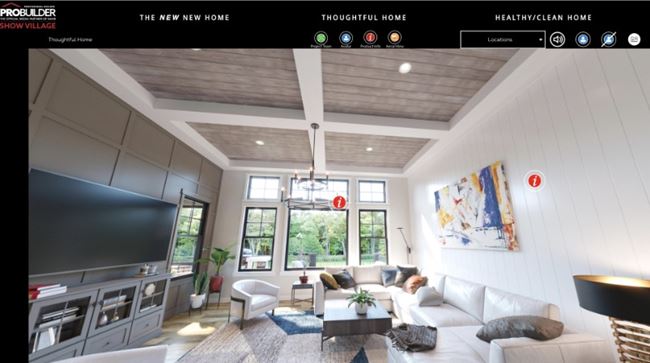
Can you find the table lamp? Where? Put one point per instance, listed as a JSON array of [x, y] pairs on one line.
[[626, 301]]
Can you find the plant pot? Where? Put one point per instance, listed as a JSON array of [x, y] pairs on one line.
[[215, 283], [362, 309], [303, 279], [197, 300]]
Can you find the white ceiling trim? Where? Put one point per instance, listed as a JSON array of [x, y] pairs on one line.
[[310, 78]]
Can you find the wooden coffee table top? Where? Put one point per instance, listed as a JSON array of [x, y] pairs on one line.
[[338, 310]]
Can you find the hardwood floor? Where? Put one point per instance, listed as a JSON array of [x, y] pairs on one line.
[[183, 332]]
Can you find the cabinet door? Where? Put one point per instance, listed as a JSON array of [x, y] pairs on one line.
[[113, 339], [152, 295], [115, 306], [58, 322], [65, 353], [145, 325]]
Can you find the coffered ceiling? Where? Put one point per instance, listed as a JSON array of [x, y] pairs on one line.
[[223, 101]]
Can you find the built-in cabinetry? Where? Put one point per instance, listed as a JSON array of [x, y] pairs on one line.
[[97, 318]]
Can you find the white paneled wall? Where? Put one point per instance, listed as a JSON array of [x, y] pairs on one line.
[[585, 123]]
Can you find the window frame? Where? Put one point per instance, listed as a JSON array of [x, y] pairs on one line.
[[200, 237], [241, 247], [249, 183], [383, 181], [347, 241], [347, 181], [385, 232]]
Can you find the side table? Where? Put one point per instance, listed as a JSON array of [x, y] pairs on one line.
[[297, 285]]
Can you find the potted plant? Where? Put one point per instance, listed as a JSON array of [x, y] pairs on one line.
[[363, 299], [200, 285], [218, 257]]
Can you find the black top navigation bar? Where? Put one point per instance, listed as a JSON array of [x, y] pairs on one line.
[[553, 25]]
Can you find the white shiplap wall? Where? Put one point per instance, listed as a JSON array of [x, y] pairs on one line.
[[585, 122]]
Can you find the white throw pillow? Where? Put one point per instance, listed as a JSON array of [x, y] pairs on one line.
[[428, 296]]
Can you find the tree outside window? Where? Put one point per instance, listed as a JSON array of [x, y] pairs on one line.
[[373, 244]]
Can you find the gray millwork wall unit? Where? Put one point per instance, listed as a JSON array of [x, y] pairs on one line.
[[79, 129]]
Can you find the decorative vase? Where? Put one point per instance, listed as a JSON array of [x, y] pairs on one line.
[[303, 279], [103, 319], [197, 300], [362, 309], [215, 283]]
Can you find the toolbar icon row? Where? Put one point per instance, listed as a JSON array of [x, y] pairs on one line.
[[369, 37]]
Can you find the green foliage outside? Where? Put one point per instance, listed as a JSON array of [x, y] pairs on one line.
[[322, 234], [372, 232]]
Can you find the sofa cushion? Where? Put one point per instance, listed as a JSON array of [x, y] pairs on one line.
[[403, 273], [338, 294], [329, 281], [413, 283], [388, 276], [344, 278], [437, 281], [465, 295], [335, 270], [428, 296], [468, 335], [529, 326], [377, 290], [367, 274], [499, 304], [450, 348], [441, 316]]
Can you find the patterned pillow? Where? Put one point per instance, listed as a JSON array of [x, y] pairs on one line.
[[388, 276], [403, 274], [344, 279], [329, 281], [413, 283]]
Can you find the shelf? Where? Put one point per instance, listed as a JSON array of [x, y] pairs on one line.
[[116, 306], [153, 295], [73, 319]]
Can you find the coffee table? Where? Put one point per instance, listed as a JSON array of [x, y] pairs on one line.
[[339, 320]]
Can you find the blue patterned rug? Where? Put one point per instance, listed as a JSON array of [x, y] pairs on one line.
[[287, 336]]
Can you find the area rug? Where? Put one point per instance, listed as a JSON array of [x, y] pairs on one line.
[[286, 337]]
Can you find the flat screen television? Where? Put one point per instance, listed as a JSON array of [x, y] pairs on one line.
[[79, 225]]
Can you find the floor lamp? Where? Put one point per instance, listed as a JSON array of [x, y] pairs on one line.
[[408, 247], [626, 301]]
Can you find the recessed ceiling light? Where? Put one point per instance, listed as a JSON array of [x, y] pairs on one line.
[[405, 68], [368, 149], [196, 49], [259, 142]]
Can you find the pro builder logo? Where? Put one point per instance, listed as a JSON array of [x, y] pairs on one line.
[[28, 16]]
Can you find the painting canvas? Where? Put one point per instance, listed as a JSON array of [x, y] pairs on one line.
[[476, 212]]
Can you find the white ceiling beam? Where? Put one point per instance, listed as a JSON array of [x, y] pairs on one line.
[[385, 126], [289, 167], [310, 79]]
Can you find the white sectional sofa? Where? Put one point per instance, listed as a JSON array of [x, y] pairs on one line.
[[466, 307]]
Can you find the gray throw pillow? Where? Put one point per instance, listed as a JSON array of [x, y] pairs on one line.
[[534, 327], [344, 279], [388, 276], [403, 274], [428, 296]]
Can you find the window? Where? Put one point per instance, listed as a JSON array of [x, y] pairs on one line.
[[372, 191], [373, 245], [257, 242], [263, 187], [334, 187], [317, 239], [189, 236]]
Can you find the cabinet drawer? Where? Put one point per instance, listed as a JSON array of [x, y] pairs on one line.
[[65, 353], [146, 325], [110, 340]]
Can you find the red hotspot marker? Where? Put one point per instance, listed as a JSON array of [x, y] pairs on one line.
[[534, 180], [339, 202]]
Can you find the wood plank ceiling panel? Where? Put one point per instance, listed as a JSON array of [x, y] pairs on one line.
[[367, 81], [239, 142], [255, 77], [387, 151]]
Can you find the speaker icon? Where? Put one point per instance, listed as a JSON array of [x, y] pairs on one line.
[[557, 39]]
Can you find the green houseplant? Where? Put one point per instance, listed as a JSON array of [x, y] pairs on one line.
[[218, 257], [200, 280], [363, 299]]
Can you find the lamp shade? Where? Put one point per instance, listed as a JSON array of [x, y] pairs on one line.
[[622, 298]]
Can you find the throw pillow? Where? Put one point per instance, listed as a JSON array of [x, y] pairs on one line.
[[428, 296], [388, 276], [344, 279], [329, 281], [534, 327], [403, 274], [413, 283]]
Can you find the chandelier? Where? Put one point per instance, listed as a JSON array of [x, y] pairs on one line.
[[311, 186]]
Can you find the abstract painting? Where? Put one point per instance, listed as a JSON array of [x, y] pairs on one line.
[[476, 212]]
